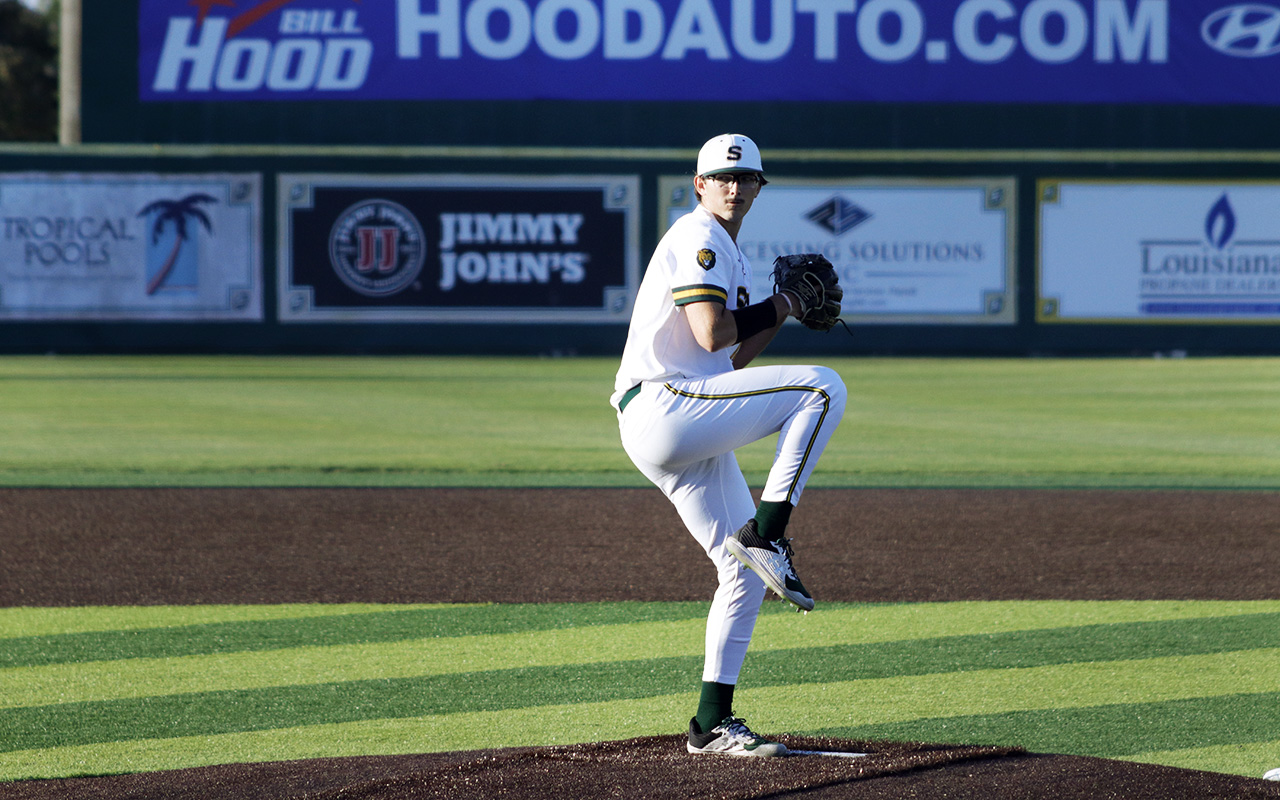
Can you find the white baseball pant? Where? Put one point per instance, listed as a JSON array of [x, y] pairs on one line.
[[681, 434]]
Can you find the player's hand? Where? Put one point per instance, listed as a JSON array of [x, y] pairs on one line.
[[812, 281]]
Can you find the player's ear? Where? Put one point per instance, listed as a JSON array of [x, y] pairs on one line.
[[699, 186]]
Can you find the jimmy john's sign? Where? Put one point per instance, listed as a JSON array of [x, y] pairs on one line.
[[431, 248]]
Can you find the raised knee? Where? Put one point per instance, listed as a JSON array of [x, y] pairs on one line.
[[830, 382], [833, 387]]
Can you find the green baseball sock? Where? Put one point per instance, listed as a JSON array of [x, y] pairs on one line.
[[715, 704], [772, 518]]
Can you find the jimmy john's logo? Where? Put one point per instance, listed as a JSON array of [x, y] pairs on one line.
[[706, 258], [377, 248], [510, 248]]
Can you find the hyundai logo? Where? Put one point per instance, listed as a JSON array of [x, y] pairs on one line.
[[1245, 31]]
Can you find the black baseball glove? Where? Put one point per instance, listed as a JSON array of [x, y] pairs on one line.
[[811, 278]]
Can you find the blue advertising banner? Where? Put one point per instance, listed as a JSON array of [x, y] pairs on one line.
[[898, 51]]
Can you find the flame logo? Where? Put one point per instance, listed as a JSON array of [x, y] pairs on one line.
[[1221, 223]]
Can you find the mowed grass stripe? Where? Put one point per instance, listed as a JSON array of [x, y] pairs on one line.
[[534, 726], [849, 623], [807, 709], [1107, 731], [640, 642], [1251, 758], [37, 621], [288, 706], [376, 626], [157, 632], [869, 626], [111, 680], [214, 713], [1015, 650], [908, 699]]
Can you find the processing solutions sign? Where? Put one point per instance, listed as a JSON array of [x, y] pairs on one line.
[[912, 251], [1044, 51]]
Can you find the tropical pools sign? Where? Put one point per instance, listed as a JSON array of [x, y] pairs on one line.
[[148, 247]]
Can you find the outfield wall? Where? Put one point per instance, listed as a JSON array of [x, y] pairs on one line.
[[539, 250]]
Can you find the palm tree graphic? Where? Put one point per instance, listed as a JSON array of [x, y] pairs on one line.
[[176, 212]]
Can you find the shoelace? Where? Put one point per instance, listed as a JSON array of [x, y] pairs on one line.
[[783, 546], [737, 728]]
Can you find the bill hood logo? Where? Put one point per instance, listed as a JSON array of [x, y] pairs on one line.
[[838, 215], [177, 266], [1244, 31], [1220, 223], [209, 53]]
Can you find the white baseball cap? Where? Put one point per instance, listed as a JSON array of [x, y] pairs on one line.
[[729, 152]]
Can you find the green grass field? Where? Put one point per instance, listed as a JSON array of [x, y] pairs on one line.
[[102, 690], [106, 690], [546, 422]]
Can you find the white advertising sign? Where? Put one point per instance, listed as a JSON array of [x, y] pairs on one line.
[[130, 247], [1190, 251], [908, 251]]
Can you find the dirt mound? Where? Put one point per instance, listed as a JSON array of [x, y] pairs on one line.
[[658, 768]]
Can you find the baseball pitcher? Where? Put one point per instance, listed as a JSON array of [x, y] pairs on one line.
[[686, 400]]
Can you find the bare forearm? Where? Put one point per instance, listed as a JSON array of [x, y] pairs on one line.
[[715, 327]]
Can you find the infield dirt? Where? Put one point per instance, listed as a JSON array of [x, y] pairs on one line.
[[64, 547]]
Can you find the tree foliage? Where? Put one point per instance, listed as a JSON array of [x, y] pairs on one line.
[[28, 74]]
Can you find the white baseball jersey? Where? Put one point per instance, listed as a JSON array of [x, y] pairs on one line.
[[688, 409], [696, 261]]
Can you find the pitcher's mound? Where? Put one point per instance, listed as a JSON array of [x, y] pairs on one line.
[[657, 767]]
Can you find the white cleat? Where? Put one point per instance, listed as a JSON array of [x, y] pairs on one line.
[[732, 737], [772, 562]]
